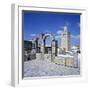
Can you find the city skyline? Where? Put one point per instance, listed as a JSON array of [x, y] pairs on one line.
[[41, 22]]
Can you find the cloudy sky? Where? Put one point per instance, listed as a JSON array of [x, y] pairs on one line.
[[41, 22]]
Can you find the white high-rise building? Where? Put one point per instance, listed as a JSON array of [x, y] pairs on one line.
[[65, 39]]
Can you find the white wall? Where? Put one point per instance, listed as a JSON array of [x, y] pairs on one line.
[[5, 46]]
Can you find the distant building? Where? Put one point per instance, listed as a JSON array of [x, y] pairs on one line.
[[27, 45], [29, 51], [76, 49], [65, 39]]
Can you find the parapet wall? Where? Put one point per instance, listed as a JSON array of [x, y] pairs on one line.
[[66, 61]]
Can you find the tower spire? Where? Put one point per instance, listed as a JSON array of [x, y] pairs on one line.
[[65, 28]]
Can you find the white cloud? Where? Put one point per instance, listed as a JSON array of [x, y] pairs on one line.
[[57, 36], [59, 32], [32, 35], [75, 36]]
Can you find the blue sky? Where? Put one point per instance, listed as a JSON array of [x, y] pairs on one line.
[[41, 22]]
